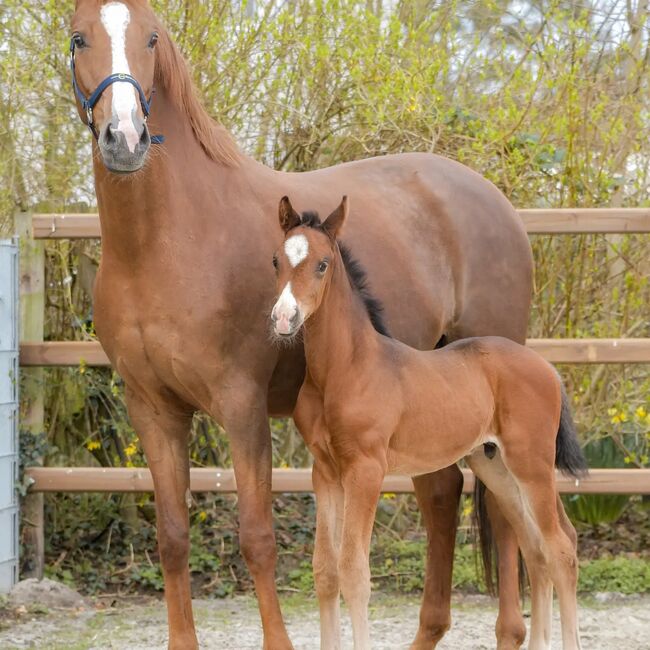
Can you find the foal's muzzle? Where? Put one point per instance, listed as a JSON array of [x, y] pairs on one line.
[[284, 324], [114, 148]]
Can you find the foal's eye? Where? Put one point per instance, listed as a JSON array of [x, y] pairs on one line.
[[78, 40], [275, 262], [153, 40], [322, 267]]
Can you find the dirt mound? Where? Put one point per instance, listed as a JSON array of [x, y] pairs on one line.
[[46, 593]]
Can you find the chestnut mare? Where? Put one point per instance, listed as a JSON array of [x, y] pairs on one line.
[[184, 287], [371, 405]]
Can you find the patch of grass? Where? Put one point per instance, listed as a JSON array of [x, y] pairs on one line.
[[621, 574]]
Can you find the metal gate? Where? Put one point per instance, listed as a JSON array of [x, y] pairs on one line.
[[9, 336]]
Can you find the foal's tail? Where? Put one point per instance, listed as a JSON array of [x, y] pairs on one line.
[[569, 458]]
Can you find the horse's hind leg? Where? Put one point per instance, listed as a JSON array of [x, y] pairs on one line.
[[510, 627], [437, 496]]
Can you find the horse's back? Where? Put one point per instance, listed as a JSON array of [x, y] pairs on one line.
[[445, 250]]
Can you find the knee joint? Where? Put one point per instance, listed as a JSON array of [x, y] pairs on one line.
[[173, 545], [258, 549], [326, 579]]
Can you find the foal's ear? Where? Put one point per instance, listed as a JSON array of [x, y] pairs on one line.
[[333, 224], [289, 218]]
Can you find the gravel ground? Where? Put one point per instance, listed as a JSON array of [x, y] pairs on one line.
[[607, 622]]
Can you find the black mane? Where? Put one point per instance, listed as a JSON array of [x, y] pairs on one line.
[[357, 275]]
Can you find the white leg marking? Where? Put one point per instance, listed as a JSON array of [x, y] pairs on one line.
[[296, 249], [115, 18]]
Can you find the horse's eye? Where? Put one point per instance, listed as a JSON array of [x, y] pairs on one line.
[[322, 267], [275, 262], [78, 40], [153, 40]]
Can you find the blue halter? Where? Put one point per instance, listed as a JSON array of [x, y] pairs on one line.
[[88, 103]]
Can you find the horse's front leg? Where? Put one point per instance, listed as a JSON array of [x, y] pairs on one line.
[[361, 480], [247, 425], [437, 495], [329, 520], [164, 435]]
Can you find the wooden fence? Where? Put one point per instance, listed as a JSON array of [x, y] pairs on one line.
[[35, 353]]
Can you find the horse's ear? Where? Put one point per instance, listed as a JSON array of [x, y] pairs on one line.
[[289, 218], [333, 224]]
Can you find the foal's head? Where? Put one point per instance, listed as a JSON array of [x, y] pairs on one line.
[[115, 40], [304, 264]]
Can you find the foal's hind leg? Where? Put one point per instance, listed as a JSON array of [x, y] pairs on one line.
[[506, 492], [437, 496], [559, 553]]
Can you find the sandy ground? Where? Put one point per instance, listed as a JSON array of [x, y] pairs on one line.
[[606, 624]]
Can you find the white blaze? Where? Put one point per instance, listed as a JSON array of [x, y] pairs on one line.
[[284, 310], [115, 18], [296, 249]]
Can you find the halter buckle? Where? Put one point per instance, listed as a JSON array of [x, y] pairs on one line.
[[89, 115]]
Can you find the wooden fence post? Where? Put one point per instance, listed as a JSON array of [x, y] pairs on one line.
[[32, 315]]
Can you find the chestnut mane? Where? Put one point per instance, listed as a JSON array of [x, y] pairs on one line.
[[172, 75]]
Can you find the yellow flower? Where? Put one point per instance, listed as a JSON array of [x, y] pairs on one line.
[[388, 495], [611, 412], [203, 515], [130, 450], [641, 413], [92, 445]]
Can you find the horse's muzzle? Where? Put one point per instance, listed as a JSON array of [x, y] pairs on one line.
[[116, 154]]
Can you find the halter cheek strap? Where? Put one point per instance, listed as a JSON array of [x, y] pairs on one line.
[[88, 103]]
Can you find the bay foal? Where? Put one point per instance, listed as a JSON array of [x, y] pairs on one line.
[[371, 405]]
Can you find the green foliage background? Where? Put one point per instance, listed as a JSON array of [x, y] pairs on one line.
[[548, 99]]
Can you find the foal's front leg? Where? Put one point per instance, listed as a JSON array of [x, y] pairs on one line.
[[361, 481], [329, 520]]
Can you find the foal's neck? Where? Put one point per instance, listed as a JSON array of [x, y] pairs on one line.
[[339, 334]]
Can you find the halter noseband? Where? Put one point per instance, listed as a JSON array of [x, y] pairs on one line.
[[88, 103]]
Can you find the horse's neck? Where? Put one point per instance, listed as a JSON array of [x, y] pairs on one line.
[[339, 333], [179, 188]]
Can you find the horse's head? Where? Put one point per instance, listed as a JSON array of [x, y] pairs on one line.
[[113, 57], [304, 265]]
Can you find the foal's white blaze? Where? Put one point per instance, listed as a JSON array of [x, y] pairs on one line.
[[296, 249], [284, 310], [115, 18]]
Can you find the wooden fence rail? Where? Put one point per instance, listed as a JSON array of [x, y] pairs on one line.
[[566, 221], [118, 479], [90, 353]]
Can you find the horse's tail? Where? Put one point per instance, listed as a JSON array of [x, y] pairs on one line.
[[489, 559], [569, 458]]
